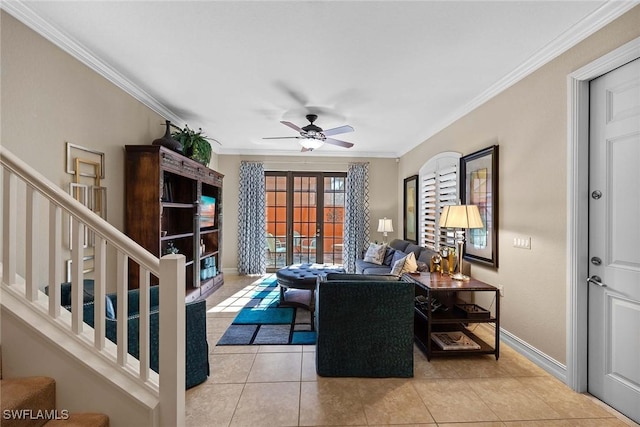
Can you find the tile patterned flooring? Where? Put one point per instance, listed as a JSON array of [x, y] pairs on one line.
[[278, 386]]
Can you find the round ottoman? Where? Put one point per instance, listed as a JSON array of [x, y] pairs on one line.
[[298, 283]]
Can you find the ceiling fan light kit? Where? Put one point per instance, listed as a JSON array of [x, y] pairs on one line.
[[311, 144], [312, 136]]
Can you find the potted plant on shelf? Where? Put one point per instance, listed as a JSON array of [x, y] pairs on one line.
[[195, 145]]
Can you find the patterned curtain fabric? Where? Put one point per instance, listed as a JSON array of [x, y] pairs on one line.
[[252, 219], [356, 222]]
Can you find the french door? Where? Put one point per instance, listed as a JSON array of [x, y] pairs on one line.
[[305, 216]]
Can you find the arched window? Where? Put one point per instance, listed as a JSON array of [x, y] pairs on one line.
[[438, 187]]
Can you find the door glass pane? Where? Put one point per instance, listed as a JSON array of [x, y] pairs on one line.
[[276, 224], [305, 227], [333, 218]]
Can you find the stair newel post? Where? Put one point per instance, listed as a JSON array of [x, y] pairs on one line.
[[172, 340]]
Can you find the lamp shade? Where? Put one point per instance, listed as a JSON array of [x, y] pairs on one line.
[[311, 143], [461, 216], [385, 225]]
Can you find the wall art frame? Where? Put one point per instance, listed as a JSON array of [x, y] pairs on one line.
[[479, 186], [410, 209]]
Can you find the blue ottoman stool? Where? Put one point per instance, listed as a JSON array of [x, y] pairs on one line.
[[298, 284]]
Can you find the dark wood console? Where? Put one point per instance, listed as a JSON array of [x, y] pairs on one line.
[[439, 308]]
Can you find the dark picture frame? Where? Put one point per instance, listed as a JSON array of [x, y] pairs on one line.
[[410, 209], [479, 186]]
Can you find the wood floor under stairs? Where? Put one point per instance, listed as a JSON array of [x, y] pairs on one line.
[[31, 401]]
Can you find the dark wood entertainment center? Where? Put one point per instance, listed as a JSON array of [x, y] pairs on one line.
[[165, 192], [454, 315]]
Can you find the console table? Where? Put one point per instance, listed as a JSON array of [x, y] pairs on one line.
[[452, 314]]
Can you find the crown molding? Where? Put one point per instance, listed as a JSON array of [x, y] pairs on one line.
[[590, 24], [23, 13]]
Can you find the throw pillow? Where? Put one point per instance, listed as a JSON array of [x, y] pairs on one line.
[[423, 266], [397, 255], [398, 266], [410, 264], [388, 256], [375, 253]]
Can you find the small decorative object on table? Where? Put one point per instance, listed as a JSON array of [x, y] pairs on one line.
[[171, 249], [454, 341], [473, 311], [167, 141]]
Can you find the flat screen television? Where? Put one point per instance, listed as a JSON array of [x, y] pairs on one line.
[[207, 211]]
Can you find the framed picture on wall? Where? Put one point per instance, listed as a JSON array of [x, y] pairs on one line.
[[411, 209], [479, 173]]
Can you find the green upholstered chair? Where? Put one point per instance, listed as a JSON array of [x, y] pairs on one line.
[[364, 326]]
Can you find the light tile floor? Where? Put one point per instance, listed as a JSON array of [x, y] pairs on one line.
[[278, 386]]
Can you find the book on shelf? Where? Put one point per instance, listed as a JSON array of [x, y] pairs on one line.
[[454, 341]]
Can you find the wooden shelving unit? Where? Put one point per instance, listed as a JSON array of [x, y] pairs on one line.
[[175, 202], [429, 320]]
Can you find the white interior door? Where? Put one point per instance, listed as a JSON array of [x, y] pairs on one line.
[[614, 239]]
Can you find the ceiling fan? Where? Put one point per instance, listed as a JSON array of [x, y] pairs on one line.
[[312, 136]]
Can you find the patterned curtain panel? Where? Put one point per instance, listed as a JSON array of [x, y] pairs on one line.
[[356, 222], [252, 219]]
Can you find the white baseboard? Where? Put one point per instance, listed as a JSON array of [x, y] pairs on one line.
[[544, 361]]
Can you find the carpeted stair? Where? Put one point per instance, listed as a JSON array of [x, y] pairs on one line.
[[31, 402]]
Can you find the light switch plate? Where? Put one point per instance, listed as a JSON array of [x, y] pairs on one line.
[[522, 242]]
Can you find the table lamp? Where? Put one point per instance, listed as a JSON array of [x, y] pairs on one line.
[[463, 217], [384, 226]]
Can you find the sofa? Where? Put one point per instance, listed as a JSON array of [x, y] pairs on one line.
[[364, 326], [196, 350], [423, 257]]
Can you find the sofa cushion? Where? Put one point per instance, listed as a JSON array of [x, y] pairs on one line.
[[375, 253], [399, 244], [416, 249]]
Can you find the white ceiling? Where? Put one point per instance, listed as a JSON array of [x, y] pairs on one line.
[[396, 71]]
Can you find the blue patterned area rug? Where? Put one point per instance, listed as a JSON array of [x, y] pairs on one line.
[[262, 322]]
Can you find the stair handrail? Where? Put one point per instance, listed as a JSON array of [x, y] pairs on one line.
[[169, 270], [56, 195]]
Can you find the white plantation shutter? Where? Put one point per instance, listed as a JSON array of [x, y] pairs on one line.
[[438, 181]]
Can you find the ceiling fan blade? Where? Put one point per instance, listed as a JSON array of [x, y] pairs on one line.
[[335, 131], [339, 143], [281, 137], [292, 126], [305, 149]]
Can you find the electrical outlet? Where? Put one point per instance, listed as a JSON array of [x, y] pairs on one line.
[[522, 242], [501, 289]]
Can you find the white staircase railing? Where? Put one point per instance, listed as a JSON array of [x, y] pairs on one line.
[[29, 195]]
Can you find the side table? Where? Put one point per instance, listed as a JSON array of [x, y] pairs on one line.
[[453, 315]]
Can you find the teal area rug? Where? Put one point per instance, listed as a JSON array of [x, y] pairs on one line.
[[262, 322]]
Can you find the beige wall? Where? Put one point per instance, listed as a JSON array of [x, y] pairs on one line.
[[382, 191], [529, 123], [49, 98]]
